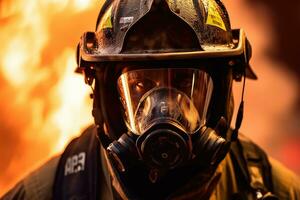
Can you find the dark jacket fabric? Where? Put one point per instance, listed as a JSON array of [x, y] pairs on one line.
[[42, 183]]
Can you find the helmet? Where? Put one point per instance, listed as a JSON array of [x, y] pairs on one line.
[[157, 31], [162, 72]]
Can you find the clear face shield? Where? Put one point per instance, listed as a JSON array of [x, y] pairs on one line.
[[177, 96]]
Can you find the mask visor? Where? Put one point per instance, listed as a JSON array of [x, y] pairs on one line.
[[180, 96]]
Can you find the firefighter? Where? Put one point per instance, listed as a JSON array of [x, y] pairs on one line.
[[161, 73]]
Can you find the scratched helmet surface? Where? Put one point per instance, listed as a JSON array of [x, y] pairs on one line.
[[122, 25]]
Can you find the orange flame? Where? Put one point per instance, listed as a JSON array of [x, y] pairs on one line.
[[45, 103]]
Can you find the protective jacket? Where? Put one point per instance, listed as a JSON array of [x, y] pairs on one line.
[[81, 172]]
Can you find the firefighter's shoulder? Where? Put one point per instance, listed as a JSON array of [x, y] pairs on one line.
[[36, 185], [286, 184], [39, 183]]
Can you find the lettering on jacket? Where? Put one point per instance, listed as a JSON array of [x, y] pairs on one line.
[[75, 164]]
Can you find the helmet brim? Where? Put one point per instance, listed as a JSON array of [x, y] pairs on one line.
[[240, 53]]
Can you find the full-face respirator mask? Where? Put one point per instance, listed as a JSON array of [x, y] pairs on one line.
[[166, 111]]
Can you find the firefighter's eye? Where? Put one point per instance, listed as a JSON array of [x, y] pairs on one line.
[[144, 85], [139, 86]]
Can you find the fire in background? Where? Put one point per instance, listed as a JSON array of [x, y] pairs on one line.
[[44, 103]]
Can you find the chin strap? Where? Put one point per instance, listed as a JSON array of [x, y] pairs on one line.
[[240, 114]]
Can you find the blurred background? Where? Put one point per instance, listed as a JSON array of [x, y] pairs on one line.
[[44, 104]]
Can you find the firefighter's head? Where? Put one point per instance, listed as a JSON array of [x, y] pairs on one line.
[[162, 72]]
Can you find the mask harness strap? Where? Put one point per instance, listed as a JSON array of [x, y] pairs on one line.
[[90, 79]]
